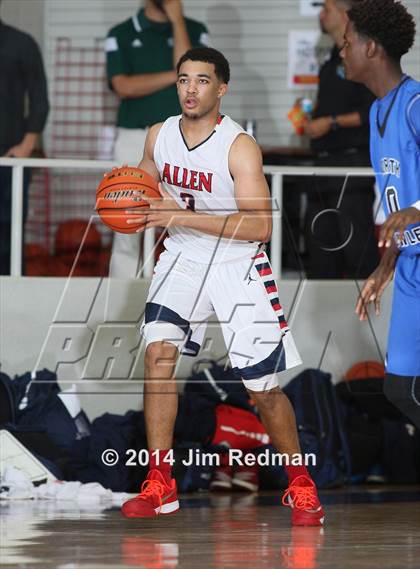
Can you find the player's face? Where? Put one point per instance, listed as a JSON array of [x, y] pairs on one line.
[[330, 17], [354, 55], [199, 89]]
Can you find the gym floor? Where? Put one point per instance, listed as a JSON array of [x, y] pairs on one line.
[[366, 528]]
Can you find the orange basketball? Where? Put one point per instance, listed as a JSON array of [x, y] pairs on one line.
[[363, 370], [121, 190]]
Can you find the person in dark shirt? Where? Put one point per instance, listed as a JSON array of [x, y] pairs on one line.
[[141, 54], [341, 240], [23, 86]]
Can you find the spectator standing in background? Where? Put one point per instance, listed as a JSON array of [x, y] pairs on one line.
[[142, 54], [340, 244], [23, 86]]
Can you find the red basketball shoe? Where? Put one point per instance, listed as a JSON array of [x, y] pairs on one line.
[[302, 497], [155, 498]]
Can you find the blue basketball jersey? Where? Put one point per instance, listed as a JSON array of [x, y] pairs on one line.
[[395, 155]]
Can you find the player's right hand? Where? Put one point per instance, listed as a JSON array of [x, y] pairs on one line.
[[373, 289], [397, 223]]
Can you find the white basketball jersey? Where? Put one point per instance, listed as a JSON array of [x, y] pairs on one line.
[[199, 178]]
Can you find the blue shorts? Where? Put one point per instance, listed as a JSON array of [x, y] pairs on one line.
[[403, 356]]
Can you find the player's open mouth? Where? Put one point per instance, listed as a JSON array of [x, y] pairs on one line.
[[191, 103]]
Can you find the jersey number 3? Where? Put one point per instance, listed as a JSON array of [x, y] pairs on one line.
[[189, 200]]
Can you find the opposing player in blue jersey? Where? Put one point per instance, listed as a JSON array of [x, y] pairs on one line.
[[378, 34]]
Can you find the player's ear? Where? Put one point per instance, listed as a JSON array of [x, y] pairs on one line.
[[372, 48], [222, 90]]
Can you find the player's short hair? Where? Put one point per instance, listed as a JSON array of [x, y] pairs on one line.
[[386, 21], [208, 55], [347, 4]]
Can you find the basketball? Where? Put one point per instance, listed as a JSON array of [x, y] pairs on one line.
[[364, 370], [121, 190]]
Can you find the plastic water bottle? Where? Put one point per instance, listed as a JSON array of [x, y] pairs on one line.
[[307, 107]]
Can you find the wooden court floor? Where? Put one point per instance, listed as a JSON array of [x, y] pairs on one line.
[[365, 528]]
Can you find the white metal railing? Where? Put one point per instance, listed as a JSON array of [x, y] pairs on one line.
[[277, 175]]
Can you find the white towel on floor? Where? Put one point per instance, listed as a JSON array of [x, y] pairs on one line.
[[16, 485]]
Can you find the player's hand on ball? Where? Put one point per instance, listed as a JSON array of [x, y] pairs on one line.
[[161, 212], [373, 289], [397, 223]]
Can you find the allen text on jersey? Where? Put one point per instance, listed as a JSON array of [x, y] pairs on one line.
[[188, 179]]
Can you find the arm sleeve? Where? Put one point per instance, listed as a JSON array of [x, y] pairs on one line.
[[413, 117], [366, 101], [115, 61], [36, 86]]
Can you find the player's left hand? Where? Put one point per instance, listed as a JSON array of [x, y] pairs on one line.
[[162, 212], [318, 127], [397, 223]]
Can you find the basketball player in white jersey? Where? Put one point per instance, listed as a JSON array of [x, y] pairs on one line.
[[217, 209]]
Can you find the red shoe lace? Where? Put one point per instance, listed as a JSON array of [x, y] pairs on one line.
[[301, 497], [152, 488]]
